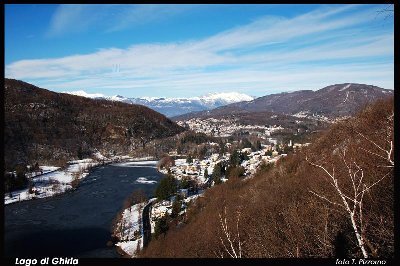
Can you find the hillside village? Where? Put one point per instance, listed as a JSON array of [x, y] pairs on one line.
[[200, 173], [225, 127]]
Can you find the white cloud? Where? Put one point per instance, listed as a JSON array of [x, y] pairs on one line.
[[146, 13], [271, 52], [77, 18], [66, 16]]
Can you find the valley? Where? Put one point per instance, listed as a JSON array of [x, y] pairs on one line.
[[200, 157], [223, 133]]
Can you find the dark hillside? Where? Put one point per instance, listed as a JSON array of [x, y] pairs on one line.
[[42, 125]]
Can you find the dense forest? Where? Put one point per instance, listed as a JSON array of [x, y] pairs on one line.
[[333, 198], [45, 126]]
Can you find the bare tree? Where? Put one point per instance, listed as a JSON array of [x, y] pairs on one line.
[[385, 151], [387, 11], [230, 241], [352, 202]]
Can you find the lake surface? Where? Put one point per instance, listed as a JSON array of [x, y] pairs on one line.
[[77, 223]]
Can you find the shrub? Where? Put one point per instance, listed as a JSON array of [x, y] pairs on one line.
[[165, 162], [234, 171], [137, 196]]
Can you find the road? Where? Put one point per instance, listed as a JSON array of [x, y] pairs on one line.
[[146, 224]]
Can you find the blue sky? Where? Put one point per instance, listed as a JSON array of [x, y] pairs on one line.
[[192, 50]]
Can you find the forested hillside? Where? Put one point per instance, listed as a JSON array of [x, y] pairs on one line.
[[331, 199], [41, 125]]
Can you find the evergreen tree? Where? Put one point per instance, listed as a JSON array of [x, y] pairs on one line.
[[9, 180], [185, 183], [244, 157], [246, 143], [36, 167], [161, 227], [256, 146], [221, 148], [176, 208], [21, 181], [80, 153], [179, 149], [166, 188], [235, 158], [206, 173], [203, 152], [217, 173]]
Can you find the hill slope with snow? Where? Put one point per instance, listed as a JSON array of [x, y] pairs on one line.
[[332, 101]]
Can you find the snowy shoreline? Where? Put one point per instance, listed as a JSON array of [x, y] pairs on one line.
[[53, 181], [129, 229]]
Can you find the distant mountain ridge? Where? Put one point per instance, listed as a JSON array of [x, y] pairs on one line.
[[175, 106], [332, 101]]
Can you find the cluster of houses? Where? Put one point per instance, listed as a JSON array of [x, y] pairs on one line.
[[318, 117], [225, 127], [196, 169]]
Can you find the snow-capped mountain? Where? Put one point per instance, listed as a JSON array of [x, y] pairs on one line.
[[331, 102], [175, 106]]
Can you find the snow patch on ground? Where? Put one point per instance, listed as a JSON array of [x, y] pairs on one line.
[[99, 156], [144, 162], [345, 87], [148, 158], [52, 180], [46, 168], [129, 229], [193, 197], [302, 114], [144, 180], [347, 96], [158, 210], [130, 247], [151, 164], [179, 162]]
